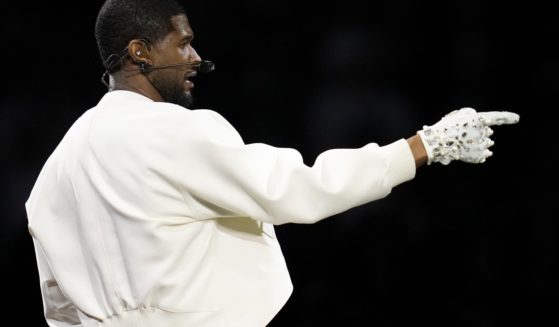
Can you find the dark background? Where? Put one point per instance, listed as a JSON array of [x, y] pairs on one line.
[[461, 245]]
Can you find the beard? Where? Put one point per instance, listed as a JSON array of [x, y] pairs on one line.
[[172, 92]]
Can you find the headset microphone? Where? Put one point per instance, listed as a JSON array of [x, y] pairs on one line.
[[204, 66]]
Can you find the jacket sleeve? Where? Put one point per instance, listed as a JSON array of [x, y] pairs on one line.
[[59, 311], [221, 176]]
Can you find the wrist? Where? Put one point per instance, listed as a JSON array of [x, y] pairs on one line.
[[418, 150]]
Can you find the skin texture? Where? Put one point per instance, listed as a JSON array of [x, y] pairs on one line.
[[169, 84]]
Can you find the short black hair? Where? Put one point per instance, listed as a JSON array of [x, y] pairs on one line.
[[121, 21]]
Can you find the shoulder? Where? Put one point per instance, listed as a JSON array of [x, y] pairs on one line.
[[208, 124], [214, 117]]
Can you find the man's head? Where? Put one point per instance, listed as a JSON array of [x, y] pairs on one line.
[[147, 33]]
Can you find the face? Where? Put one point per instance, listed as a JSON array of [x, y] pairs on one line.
[[174, 84]]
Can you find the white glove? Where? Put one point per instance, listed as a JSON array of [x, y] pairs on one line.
[[463, 135]]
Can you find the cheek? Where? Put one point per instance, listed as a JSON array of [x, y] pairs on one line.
[[170, 77]]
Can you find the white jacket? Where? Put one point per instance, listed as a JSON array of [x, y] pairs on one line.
[[149, 214]]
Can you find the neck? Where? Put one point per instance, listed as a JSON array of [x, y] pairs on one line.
[[134, 82]]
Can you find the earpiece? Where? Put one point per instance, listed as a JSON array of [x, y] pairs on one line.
[[138, 53]]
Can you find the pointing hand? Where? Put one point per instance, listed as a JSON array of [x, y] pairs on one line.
[[463, 135]]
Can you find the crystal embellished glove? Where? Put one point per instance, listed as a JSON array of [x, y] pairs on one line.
[[463, 135]]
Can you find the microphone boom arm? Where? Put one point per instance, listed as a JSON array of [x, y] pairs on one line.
[[204, 66]]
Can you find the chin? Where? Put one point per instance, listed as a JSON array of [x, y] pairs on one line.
[[174, 93], [186, 99]]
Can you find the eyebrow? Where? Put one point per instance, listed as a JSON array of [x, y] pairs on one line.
[[188, 37]]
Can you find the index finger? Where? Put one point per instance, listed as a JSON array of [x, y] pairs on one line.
[[498, 117]]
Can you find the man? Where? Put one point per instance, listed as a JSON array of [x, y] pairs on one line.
[[151, 214]]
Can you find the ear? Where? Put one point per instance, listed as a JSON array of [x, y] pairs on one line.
[[139, 51]]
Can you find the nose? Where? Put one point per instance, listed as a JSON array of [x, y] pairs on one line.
[[194, 55]]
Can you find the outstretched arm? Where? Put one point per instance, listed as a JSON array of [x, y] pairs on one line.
[[229, 178]]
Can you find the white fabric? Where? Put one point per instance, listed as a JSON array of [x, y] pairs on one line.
[[149, 214]]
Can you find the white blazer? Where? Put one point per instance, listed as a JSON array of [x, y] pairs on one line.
[[149, 214]]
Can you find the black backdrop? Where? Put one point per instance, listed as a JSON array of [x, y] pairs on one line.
[[461, 245]]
